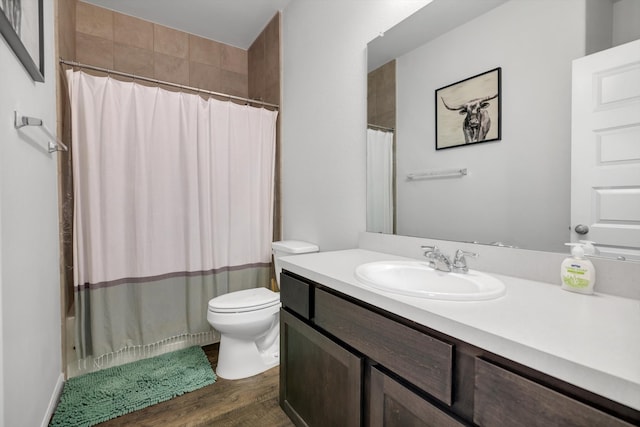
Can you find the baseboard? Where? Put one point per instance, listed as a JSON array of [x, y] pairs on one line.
[[55, 396]]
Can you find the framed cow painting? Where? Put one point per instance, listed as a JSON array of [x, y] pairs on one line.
[[469, 111]]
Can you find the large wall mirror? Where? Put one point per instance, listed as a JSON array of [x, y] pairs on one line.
[[515, 191]]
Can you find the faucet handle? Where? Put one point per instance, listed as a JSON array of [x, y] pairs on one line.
[[430, 252], [434, 249], [460, 262], [461, 254]]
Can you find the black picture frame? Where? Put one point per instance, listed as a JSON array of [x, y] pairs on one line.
[[469, 111], [21, 24]]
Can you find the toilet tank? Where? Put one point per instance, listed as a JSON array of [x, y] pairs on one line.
[[289, 247]]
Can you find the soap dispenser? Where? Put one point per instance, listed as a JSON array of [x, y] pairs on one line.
[[578, 273]]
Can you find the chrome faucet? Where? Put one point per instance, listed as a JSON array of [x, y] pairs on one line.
[[437, 260], [441, 262]]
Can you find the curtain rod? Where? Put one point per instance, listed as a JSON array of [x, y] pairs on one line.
[[161, 82], [381, 127]]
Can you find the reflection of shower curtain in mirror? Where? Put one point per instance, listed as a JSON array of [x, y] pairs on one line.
[[379, 181], [173, 206]]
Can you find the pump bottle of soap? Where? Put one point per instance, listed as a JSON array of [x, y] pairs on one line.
[[578, 273]]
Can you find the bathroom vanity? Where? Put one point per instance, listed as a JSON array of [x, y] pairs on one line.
[[355, 356]]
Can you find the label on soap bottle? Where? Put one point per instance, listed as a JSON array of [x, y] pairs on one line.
[[576, 277]]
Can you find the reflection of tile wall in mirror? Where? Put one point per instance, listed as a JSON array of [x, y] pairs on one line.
[[381, 96]]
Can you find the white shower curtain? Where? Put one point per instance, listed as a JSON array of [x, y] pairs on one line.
[[379, 181], [173, 206]]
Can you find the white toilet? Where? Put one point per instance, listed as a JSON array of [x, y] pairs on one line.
[[249, 322]]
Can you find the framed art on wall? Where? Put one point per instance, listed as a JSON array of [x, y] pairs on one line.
[[21, 26], [469, 111]]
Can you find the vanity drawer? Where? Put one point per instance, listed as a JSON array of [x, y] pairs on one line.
[[421, 359], [505, 398], [295, 295]]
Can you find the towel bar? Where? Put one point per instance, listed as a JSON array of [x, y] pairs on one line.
[[21, 121], [437, 174]]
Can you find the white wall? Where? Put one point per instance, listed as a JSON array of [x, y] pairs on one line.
[[30, 355], [324, 115], [514, 183]]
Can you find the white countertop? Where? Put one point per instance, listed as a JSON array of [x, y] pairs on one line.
[[591, 341]]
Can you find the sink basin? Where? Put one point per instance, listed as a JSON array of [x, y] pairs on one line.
[[417, 279]]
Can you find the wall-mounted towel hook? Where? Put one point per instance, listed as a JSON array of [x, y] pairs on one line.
[[21, 121]]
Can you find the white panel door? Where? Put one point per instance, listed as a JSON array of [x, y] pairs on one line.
[[605, 149]]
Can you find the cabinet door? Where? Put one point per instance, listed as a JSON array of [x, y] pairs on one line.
[[392, 404], [320, 381]]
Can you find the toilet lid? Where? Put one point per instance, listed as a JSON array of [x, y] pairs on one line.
[[246, 300]]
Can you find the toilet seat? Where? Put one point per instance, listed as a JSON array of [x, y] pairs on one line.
[[244, 301]]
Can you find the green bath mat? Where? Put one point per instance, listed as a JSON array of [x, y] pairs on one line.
[[103, 395]]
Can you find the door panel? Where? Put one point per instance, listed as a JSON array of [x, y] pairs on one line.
[[605, 144]]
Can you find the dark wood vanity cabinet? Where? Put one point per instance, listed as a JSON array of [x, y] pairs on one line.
[[347, 363]]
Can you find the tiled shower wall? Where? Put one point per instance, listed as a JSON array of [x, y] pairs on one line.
[[264, 84], [264, 64], [97, 36], [109, 39]]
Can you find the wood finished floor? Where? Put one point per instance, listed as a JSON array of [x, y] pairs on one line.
[[248, 402]]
